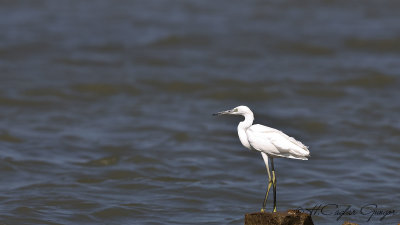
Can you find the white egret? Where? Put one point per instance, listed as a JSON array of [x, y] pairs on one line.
[[269, 141]]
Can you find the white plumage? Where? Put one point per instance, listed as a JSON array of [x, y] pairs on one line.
[[269, 141], [275, 143]]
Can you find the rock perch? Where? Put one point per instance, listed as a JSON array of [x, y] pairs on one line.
[[291, 217]]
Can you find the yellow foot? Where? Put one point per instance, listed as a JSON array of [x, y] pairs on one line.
[[262, 210], [274, 210]]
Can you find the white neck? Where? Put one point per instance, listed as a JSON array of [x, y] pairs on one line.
[[247, 122], [242, 127]]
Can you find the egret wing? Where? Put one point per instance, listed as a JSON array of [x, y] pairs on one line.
[[275, 143]]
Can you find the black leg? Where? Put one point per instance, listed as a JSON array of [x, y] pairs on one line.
[[273, 182], [265, 157]]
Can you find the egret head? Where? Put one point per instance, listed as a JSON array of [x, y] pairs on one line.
[[240, 110]]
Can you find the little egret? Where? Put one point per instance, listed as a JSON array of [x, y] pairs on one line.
[[269, 141]]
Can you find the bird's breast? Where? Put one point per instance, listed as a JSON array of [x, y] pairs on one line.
[[243, 138]]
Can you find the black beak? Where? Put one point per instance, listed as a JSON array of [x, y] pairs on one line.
[[222, 113]]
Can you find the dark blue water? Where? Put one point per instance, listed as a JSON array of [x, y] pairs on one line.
[[105, 109]]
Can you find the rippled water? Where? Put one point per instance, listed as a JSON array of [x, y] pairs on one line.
[[105, 109]]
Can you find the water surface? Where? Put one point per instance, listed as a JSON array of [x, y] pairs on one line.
[[105, 109]]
